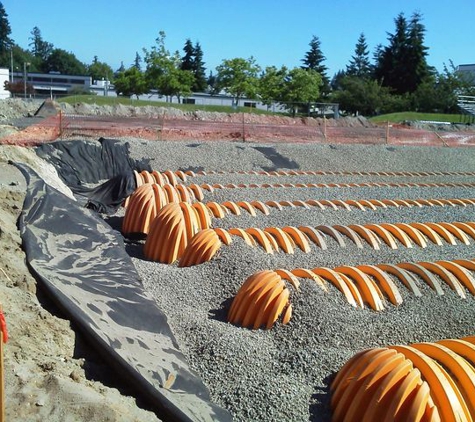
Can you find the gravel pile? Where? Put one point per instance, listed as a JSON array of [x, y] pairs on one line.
[[14, 108], [284, 373]]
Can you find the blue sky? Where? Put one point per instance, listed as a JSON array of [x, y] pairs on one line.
[[274, 32]]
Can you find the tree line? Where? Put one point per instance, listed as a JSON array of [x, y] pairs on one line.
[[397, 78]]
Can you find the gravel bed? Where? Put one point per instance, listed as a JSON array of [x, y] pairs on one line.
[[284, 373]]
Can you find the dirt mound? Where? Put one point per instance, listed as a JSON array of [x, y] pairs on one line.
[[440, 126], [46, 374], [121, 110], [15, 108]]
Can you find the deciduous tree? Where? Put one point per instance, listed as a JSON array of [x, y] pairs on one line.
[[130, 82], [439, 93], [100, 70], [302, 86], [120, 69], [360, 95], [239, 77], [17, 88], [212, 83], [164, 71], [64, 62], [272, 84], [18, 57]]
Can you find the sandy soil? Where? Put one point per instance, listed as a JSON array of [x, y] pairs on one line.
[[50, 372]]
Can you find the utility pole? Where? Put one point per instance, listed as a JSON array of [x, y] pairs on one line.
[[25, 76], [11, 64]]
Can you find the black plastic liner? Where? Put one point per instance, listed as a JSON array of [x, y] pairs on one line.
[[80, 163], [83, 265], [109, 196]]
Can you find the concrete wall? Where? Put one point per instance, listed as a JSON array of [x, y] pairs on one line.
[[4, 77]]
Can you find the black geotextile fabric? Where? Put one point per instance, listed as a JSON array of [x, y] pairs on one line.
[[88, 162], [83, 265], [109, 196]]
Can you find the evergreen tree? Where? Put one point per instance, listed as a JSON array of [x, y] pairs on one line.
[[121, 69], [314, 59], [188, 59], [390, 69], [336, 80], [137, 61], [402, 65], [417, 68], [199, 69], [193, 62], [40, 48], [6, 43], [377, 59], [360, 65]]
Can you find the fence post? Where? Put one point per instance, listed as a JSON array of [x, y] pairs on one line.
[[325, 128], [160, 127], [243, 129], [387, 132], [61, 124]]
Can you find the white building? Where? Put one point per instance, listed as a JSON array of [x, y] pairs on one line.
[[467, 71], [52, 84], [4, 77]]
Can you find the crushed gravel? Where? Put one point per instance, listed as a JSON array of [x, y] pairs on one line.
[[284, 373]]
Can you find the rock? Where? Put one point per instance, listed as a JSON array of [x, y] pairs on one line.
[[75, 375]]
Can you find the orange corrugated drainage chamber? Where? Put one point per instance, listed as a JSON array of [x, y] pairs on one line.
[[167, 178], [147, 200], [182, 230], [420, 382], [163, 178], [262, 299]]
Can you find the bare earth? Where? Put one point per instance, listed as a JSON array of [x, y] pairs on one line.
[[46, 374]]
